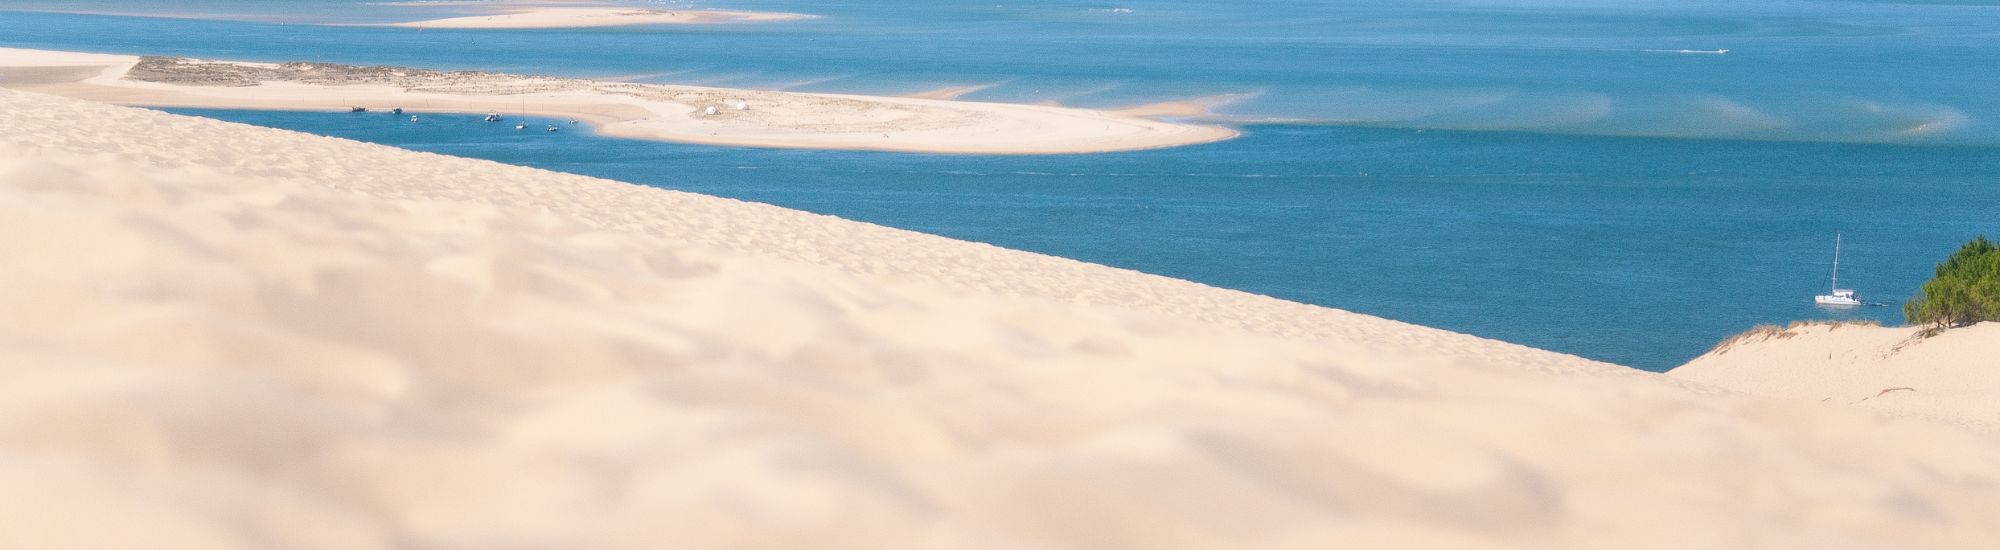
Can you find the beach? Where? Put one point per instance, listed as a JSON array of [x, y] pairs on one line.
[[752, 118], [224, 336]]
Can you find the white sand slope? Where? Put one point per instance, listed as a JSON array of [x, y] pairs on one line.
[[552, 17], [1953, 376], [638, 111], [218, 336]]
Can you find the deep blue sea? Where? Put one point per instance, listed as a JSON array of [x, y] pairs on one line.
[[1553, 173]]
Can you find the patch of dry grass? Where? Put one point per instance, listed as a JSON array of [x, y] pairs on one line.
[[1835, 324], [1757, 333], [1767, 332]]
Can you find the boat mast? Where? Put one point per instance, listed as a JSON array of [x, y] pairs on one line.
[[1836, 263]]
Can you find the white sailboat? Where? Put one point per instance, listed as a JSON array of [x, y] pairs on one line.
[[1840, 297]]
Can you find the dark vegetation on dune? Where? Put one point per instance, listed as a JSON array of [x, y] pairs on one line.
[[1966, 289]]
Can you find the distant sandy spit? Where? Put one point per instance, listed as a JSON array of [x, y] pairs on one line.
[[503, 14], [689, 114], [1953, 376], [550, 17], [217, 336]]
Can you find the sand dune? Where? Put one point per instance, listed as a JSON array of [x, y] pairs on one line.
[[639, 111], [1954, 376], [219, 336]]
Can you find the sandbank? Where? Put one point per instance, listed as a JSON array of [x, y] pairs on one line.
[[500, 14], [639, 111], [224, 336], [550, 17]]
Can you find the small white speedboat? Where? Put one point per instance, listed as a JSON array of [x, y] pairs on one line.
[[1837, 297], [493, 117], [521, 126]]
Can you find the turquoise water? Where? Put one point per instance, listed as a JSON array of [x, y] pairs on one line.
[[1517, 170], [1810, 71]]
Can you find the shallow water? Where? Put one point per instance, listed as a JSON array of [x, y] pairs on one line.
[[1714, 210]]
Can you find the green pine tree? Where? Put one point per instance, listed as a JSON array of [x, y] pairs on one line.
[[1966, 289]]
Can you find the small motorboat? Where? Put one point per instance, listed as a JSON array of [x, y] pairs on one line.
[[413, 118], [493, 117], [521, 126], [396, 111], [553, 128], [357, 109], [1837, 297]]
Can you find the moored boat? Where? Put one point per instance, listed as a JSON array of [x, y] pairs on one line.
[[1837, 297]]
